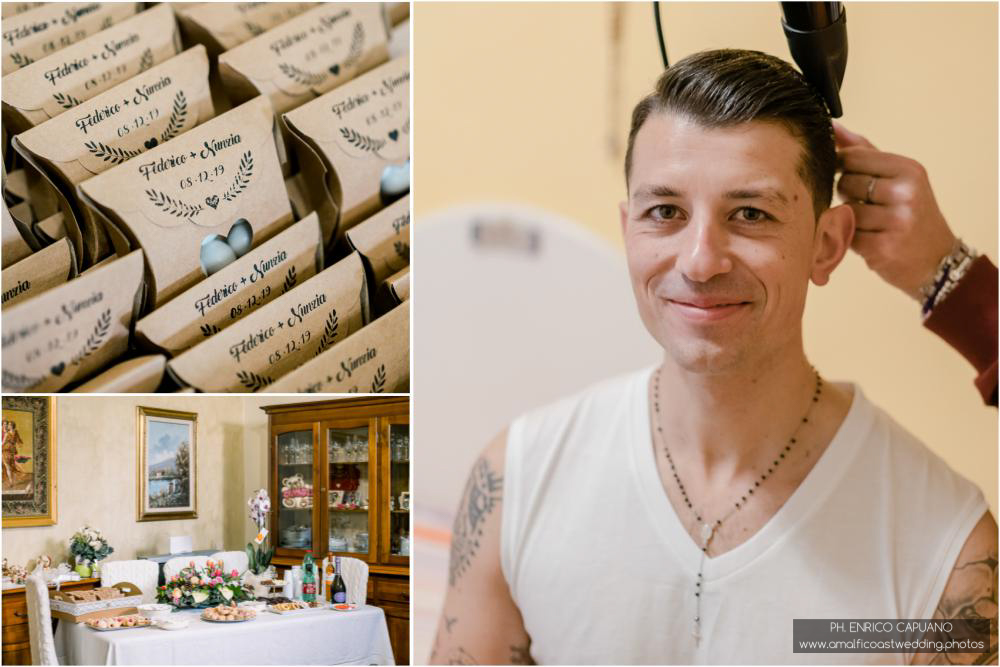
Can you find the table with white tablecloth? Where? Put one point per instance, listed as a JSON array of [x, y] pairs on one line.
[[309, 637]]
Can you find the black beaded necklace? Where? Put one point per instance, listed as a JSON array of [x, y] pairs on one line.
[[708, 529]]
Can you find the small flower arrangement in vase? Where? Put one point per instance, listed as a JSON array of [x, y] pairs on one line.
[[196, 588], [88, 546], [258, 555]]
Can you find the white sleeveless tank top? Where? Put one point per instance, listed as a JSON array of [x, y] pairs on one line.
[[603, 572]]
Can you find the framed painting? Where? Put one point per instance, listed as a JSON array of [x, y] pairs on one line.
[[29, 461], [167, 471]]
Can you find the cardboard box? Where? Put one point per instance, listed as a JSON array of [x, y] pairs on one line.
[[140, 375], [221, 26], [35, 33], [383, 241], [374, 360], [63, 605], [15, 248], [281, 335], [71, 331], [196, 202], [270, 270], [112, 128], [351, 141], [47, 268], [65, 79]]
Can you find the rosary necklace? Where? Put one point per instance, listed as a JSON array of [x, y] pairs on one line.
[[708, 529]]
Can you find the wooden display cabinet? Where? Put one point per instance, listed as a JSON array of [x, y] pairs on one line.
[[339, 481]]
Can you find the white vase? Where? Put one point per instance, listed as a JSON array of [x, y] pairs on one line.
[[254, 580]]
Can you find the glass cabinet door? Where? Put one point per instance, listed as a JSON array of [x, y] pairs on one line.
[[398, 545], [350, 488], [294, 460]]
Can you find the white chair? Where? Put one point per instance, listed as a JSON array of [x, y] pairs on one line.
[[143, 573], [178, 563], [355, 574], [43, 644], [233, 560]]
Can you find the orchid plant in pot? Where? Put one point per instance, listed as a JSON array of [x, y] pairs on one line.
[[258, 554], [88, 546]]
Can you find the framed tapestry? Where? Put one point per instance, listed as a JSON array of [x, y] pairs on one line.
[[167, 471], [29, 461]]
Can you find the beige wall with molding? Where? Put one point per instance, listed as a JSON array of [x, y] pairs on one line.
[[530, 103], [96, 459]]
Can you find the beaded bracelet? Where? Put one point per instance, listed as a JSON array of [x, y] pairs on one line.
[[951, 270]]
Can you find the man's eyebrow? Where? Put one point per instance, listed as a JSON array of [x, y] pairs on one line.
[[758, 193], [653, 191]]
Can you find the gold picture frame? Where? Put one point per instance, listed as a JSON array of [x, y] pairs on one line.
[[29, 470], [167, 464]]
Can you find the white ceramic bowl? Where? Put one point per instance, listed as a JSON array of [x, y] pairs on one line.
[[173, 624], [155, 611], [253, 604]]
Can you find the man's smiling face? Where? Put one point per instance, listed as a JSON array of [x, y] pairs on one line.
[[721, 240]]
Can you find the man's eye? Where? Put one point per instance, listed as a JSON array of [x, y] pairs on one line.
[[663, 212], [751, 214]]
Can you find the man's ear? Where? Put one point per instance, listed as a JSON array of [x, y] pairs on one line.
[[623, 214], [834, 233]]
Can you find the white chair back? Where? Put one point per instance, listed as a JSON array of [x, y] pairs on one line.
[[232, 560], [43, 644], [143, 573], [178, 563], [355, 574]]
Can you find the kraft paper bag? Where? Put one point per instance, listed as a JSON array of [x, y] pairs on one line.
[[51, 229], [308, 55], [394, 291], [399, 284], [197, 202], [257, 278], [384, 240], [38, 32], [15, 8], [136, 376], [47, 268], [50, 86], [15, 248], [399, 40], [353, 145], [221, 26], [68, 332], [397, 12], [374, 360], [114, 127], [280, 336]]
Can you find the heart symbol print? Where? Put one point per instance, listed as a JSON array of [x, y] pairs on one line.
[[394, 135], [150, 143], [335, 70], [212, 200], [58, 368], [218, 251]]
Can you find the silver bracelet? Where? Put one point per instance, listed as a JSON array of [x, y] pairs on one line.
[[950, 271]]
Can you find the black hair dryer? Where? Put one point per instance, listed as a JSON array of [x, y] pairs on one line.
[[817, 38]]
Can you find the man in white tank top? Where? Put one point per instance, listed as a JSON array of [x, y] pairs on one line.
[[687, 514]]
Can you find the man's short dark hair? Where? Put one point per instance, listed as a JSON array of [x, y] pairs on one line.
[[731, 86]]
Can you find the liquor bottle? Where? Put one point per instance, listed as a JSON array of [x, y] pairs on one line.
[[338, 587], [328, 577], [308, 578]]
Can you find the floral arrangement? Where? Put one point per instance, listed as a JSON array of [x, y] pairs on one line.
[[88, 544], [195, 587], [259, 557]]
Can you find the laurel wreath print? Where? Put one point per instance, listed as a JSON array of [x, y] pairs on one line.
[[402, 249], [242, 178], [378, 382], [329, 332], [357, 45], [146, 60], [362, 141], [172, 206], [208, 330], [290, 280], [96, 337], [253, 28], [21, 60], [19, 382], [301, 76], [111, 154], [177, 117], [65, 100], [252, 381]]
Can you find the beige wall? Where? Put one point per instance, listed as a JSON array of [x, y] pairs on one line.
[[530, 103], [96, 459]]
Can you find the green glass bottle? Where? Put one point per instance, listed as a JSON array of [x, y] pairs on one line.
[[308, 578]]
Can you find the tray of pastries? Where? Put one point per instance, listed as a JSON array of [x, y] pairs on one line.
[[226, 614], [118, 623], [295, 606]]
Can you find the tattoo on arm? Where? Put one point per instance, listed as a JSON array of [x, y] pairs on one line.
[[448, 622], [521, 655], [459, 656], [482, 494]]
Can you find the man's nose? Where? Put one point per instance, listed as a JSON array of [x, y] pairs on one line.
[[704, 251]]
